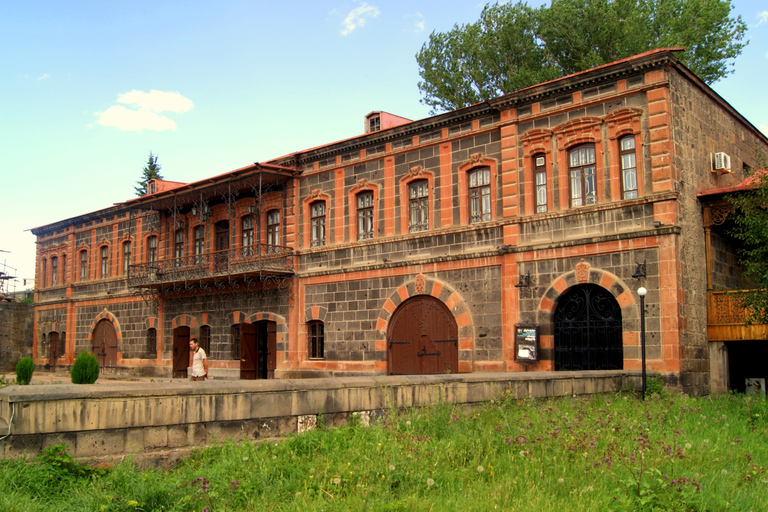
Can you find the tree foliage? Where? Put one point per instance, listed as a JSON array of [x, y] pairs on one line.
[[751, 229], [513, 46], [151, 171]]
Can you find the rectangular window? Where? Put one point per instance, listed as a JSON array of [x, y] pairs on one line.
[[126, 257], [365, 215], [62, 344], [581, 166], [273, 230], [236, 341], [104, 261], [316, 340], [419, 205], [247, 236], [205, 339], [199, 245], [480, 195], [178, 247], [628, 167], [540, 170], [54, 271], [83, 265], [318, 223], [152, 249], [44, 272], [152, 341]]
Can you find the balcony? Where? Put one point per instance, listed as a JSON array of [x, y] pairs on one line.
[[244, 263], [726, 317]]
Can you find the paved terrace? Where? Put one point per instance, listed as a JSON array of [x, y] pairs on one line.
[[158, 421]]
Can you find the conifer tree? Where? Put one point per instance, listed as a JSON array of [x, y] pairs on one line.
[[151, 171]]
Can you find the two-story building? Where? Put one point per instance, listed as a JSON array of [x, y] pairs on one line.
[[509, 235]]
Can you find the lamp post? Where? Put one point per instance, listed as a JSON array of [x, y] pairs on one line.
[[641, 292]]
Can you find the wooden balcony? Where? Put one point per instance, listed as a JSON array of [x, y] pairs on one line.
[[726, 318], [244, 263]]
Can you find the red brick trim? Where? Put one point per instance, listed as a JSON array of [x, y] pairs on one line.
[[476, 161], [106, 315]]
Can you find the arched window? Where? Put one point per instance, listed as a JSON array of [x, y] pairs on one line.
[[83, 265], [418, 193], [247, 237], [581, 168], [540, 174], [317, 213], [479, 195], [628, 167], [365, 227], [316, 333]]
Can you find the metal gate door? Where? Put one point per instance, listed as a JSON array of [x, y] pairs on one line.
[[180, 352], [104, 343], [588, 330], [423, 338]]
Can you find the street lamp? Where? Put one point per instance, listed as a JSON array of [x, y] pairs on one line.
[[641, 292]]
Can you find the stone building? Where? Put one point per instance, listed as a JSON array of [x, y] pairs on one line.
[[507, 236]]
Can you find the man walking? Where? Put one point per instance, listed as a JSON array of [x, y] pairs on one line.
[[199, 361]]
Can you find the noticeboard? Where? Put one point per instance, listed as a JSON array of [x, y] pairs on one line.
[[526, 343]]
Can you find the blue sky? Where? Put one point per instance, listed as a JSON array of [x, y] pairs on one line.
[[88, 88]]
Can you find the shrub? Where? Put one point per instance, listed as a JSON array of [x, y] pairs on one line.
[[24, 369], [86, 369]]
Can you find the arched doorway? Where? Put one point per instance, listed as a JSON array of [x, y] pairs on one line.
[[423, 338], [588, 333], [258, 350], [104, 343], [180, 352]]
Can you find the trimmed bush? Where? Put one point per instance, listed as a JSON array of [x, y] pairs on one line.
[[24, 369], [86, 368]]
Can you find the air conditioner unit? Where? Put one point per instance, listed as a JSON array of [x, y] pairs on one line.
[[721, 163]]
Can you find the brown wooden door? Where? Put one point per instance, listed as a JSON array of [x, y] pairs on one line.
[[267, 349], [180, 352], [221, 260], [248, 351], [53, 340], [423, 338], [105, 346]]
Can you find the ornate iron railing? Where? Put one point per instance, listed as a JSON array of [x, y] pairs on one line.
[[243, 261]]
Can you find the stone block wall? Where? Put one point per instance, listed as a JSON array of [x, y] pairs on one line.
[[15, 333]]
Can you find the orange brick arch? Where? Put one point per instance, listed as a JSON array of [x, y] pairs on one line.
[[106, 315], [423, 285]]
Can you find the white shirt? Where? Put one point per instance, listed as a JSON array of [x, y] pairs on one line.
[[198, 369]]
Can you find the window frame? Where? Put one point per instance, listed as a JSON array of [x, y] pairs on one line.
[[235, 332], [83, 262], [273, 230], [178, 247], [479, 195], [54, 270], [104, 261], [126, 254], [418, 205], [317, 215], [44, 271], [199, 241], [627, 193], [315, 339], [152, 249], [205, 339], [584, 178], [151, 342], [247, 236], [540, 185], [366, 227]]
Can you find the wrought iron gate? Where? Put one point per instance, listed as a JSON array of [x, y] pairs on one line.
[[588, 330]]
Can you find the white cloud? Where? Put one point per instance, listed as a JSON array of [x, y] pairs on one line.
[[44, 76], [358, 17], [762, 17], [144, 111]]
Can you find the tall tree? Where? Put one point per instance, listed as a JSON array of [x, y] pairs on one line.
[[751, 219], [513, 46], [151, 171]]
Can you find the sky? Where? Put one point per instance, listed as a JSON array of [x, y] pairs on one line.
[[89, 88]]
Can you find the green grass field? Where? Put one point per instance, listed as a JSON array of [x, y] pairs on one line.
[[614, 452]]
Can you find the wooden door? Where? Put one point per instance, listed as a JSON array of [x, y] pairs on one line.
[[267, 349], [423, 338], [248, 351], [221, 260], [104, 344], [180, 352], [53, 340]]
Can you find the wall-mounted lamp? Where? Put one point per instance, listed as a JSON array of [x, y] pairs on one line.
[[524, 281], [656, 224], [639, 271], [194, 210]]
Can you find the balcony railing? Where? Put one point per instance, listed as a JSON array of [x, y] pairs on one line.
[[257, 260], [726, 317]]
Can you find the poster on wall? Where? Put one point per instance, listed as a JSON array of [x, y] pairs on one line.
[[526, 343]]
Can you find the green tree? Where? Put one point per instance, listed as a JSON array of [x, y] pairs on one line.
[[151, 171], [751, 229], [513, 46]]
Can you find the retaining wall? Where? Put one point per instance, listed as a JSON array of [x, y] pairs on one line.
[[157, 423]]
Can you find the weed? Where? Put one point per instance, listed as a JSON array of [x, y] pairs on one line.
[[24, 369]]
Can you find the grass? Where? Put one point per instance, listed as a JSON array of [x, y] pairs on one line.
[[613, 452]]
